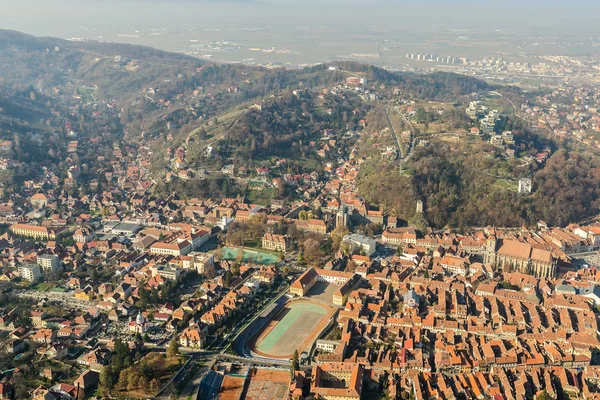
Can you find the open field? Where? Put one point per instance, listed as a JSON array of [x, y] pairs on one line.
[[508, 185], [295, 327]]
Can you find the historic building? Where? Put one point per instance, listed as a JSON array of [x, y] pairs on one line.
[[512, 255]]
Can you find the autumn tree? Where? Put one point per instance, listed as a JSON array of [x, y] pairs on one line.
[[173, 350]]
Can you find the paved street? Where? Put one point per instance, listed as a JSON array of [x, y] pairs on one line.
[[192, 387], [209, 387]]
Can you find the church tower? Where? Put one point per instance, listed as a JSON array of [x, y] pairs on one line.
[[341, 219], [490, 251]]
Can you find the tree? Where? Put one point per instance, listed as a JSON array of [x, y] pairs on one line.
[[94, 275], [543, 395], [107, 380], [295, 361], [24, 317], [144, 297], [312, 250], [351, 266], [337, 235], [173, 350], [20, 386], [122, 358], [154, 385]]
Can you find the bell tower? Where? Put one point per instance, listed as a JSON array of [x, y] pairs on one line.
[[490, 251]]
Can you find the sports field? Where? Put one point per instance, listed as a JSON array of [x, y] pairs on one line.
[[292, 328]]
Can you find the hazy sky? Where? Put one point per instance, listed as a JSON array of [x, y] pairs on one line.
[[66, 17], [317, 30]]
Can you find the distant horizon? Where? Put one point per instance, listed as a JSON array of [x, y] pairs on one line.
[[316, 31]]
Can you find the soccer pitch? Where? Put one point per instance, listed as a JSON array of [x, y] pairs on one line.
[[291, 329]]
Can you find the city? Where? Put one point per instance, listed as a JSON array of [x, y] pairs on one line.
[[175, 227]]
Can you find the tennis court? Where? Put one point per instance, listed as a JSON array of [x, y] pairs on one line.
[[291, 329]]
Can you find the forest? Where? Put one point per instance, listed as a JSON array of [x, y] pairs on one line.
[[460, 190]]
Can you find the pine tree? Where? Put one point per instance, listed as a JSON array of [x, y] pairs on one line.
[[107, 380], [295, 361], [173, 350]]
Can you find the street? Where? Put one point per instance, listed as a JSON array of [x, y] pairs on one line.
[[209, 387]]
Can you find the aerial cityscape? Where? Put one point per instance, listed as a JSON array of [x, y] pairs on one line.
[[330, 201]]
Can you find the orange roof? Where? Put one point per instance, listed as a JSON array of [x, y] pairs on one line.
[[231, 388], [30, 227]]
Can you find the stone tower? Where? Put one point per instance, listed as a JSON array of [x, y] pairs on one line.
[[419, 206], [490, 251], [341, 218]]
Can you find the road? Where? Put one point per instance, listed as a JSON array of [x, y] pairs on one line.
[[509, 100], [387, 114], [207, 380], [234, 335], [209, 387], [404, 156], [193, 385]]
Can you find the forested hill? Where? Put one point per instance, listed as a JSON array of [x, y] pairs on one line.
[[117, 69], [53, 91], [443, 86]]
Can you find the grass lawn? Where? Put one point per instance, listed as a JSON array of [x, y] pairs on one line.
[[86, 93], [262, 196], [43, 286], [507, 185]]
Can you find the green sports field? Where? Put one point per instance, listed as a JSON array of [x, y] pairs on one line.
[[290, 329]]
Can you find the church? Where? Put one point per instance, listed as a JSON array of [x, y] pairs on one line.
[[139, 325], [512, 255]]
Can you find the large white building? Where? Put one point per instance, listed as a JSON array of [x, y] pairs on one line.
[[171, 249], [199, 261], [362, 243], [30, 272], [48, 262]]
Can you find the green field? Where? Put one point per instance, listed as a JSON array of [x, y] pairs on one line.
[[309, 311], [507, 185], [249, 256]]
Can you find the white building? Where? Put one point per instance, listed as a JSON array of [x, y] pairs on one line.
[[327, 346], [201, 262], [363, 243], [525, 185], [48, 262], [419, 206], [166, 272], [171, 249], [30, 272]]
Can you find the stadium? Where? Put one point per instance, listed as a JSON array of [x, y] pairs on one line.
[[294, 327], [296, 320]]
